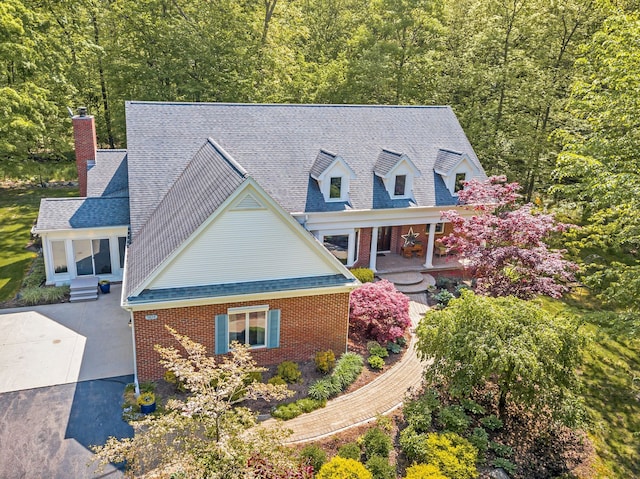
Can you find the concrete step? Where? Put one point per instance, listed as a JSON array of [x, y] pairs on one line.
[[83, 296], [403, 279], [421, 287]]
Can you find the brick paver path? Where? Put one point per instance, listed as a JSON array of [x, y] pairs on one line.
[[380, 396]]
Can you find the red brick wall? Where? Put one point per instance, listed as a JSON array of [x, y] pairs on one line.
[[364, 248], [84, 136], [307, 324]]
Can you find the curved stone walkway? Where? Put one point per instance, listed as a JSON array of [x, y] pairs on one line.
[[380, 396]]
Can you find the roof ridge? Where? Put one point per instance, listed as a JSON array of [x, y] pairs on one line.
[[293, 105]]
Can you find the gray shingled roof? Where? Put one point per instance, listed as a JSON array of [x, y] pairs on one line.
[[108, 177], [447, 159], [206, 182], [278, 145], [237, 289], [75, 213], [387, 160], [323, 161]]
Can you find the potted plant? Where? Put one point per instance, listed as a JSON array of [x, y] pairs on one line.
[[147, 402], [105, 286]]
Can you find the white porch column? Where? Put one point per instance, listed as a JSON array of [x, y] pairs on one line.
[[351, 248], [373, 251], [429, 256]]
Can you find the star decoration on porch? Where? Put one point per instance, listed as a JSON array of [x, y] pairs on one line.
[[410, 238]]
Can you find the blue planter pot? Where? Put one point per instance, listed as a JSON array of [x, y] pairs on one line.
[[105, 288], [147, 408]]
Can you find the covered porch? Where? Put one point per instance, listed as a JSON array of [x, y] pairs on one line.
[[396, 263]]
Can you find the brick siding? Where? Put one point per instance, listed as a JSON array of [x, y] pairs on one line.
[[307, 324], [84, 136]]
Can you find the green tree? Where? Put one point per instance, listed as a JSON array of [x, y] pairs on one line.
[[478, 340], [207, 434], [599, 167]]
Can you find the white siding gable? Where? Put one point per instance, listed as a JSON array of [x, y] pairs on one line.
[[250, 239]]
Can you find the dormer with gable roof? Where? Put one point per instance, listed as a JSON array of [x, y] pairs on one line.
[[333, 175], [397, 172], [455, 168]]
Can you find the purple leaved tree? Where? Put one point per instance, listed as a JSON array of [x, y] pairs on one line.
[[378, 311], [503, 244]]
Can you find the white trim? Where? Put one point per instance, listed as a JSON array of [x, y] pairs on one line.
[[248, 309]]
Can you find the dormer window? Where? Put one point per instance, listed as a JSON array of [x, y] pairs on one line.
[[397, 172], [333, 175], [399, 188], [460, 179], [455, 168], [335, 188]]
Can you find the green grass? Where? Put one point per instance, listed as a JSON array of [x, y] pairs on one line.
[[611, 388], [18, 211]]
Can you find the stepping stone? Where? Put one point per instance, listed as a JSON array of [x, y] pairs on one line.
[[402, 279], [426, 282]]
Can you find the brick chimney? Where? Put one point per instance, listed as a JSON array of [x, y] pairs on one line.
[[86, 144]]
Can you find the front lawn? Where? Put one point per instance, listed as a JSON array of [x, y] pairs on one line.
[[18, 211]]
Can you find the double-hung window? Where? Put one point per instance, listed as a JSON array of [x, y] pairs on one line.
[[255, 326]]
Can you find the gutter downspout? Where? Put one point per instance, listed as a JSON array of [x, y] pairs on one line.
[[131, 323]]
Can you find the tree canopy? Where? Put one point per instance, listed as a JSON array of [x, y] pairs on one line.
[[478, 340]]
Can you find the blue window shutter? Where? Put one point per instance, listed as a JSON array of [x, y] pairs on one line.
[[222, 333], [273, 325]]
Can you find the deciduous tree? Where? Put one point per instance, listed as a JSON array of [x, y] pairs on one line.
[[503, 244], [512, 343]]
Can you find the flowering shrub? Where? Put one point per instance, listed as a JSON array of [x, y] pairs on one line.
[[379, 311], [341, 468]]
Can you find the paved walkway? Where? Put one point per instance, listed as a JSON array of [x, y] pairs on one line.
[[381, 396]]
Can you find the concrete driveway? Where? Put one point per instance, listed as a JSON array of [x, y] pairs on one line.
[[63, 369], [64, 343]]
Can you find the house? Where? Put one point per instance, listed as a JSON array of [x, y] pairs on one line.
[[238, 221]]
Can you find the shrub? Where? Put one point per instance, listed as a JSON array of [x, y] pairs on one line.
[[286, 411], [276, 381], [364, 275], [46, 295], [325, 361], [453, 454], [36, 275], [376, 443], [471, 406], [289, 371], [454, 419], [491, 422], [350, 450], [443, 297], [376, 362], [375, 349], [480, 439], [347, 370], [313, 456], [505, 464], [379, 311], [380, 468], [501, 449], [418, 412], [424, 471], [341, 468], [308, 404]]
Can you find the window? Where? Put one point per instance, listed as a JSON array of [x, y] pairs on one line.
[[122, 243], [255, 326], [92, 256], [335, 188], [399, 187], [460, 179], [439, 228], [59, 257]]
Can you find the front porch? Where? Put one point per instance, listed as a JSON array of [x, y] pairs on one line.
[[396, 263]]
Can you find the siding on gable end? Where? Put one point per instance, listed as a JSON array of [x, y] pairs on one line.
[[243, 245]]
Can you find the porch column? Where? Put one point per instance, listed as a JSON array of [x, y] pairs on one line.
[[429, 256], [373, 251], [351, 248]]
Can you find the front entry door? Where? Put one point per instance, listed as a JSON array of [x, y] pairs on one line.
[[384, 238]]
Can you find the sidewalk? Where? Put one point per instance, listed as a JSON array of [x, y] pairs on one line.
[[381, 396]]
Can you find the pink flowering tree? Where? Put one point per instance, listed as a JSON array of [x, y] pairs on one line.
[[379, 311], [503, 244]]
